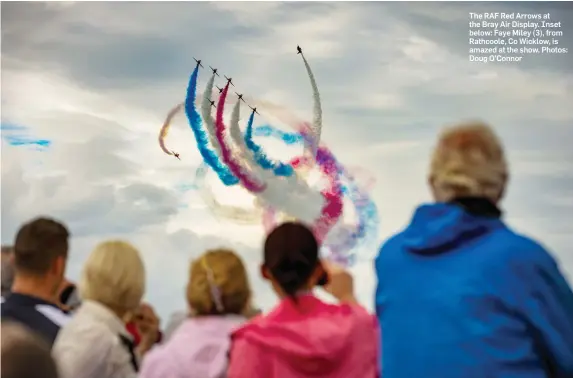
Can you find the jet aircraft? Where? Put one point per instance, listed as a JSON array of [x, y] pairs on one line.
[[214, 71], [254, 109], [230, 80], [198, 62]]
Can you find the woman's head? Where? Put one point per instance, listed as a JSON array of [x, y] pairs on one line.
[[114, 275], [468, 161], [218, 284], [291, 259]]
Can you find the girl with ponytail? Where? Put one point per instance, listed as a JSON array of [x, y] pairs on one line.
[[304, 336]]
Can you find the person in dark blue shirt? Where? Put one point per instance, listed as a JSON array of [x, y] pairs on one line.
[[40, 256], [460, 294]]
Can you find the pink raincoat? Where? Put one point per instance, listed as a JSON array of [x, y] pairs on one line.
[[307, 339], [199, 348]]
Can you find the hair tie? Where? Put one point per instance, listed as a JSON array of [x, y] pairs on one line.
[[213, 288]]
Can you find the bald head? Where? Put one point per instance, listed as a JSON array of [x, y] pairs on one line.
[[24, 354]]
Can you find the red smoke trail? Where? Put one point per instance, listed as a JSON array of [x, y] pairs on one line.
[[246, 180], [333, 196]]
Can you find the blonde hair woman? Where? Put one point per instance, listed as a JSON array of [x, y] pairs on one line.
[[95, 343], [460, 294], [219, 294]]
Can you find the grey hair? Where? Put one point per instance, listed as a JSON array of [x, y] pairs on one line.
[[468, 161]]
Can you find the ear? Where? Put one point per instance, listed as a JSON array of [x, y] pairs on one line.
[[59, 265], [432, 185], [265, 272], [320, 276]]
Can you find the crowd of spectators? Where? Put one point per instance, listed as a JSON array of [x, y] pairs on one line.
[[459, 295]]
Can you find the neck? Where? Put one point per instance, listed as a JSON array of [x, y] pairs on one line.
[[479, 206], [39, 287]]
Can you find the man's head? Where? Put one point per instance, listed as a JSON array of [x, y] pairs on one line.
[[468, 161], [25, 354], [41, 251], [7, 268]]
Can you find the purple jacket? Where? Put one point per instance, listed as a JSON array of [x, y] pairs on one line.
[[198, 349]]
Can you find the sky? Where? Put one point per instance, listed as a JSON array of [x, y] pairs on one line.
[[86, 86]]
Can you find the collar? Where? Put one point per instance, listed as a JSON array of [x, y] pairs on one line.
[[27, 300], [478, 206], [104, 315]]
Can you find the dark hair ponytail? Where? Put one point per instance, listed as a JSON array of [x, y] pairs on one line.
[[291, 255]]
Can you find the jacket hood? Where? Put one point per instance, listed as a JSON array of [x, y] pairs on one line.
[[440, 227], [312, 337]]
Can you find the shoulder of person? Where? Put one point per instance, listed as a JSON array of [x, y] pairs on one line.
[[83, 332], [54, 314], [518, 251], [82, 350], [394, 242]]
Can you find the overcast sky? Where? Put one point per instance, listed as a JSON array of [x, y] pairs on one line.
[[85, 88]]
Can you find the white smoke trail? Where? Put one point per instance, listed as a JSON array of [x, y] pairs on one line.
[[238, 141], [208, 117], [291, 195], [317, 116]]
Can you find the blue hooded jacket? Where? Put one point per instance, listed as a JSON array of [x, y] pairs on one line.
[[460, 295]]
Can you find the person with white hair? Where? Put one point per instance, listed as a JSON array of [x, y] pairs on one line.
[[462, 295], [96, 343]]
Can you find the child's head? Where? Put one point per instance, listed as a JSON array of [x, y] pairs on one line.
[[218, 284], [291, 259]]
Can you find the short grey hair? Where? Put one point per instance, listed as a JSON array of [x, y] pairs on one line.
[[468, 161]]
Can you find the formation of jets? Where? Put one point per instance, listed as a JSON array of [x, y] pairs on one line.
[[230, 81]]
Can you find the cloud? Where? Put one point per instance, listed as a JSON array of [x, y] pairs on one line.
[[96, 79]]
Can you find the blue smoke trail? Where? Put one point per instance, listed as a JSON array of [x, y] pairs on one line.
[[14, 140], [279, 169], [209, 156], [269, 131], [15, 136], [365, 232], [11, 127]]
